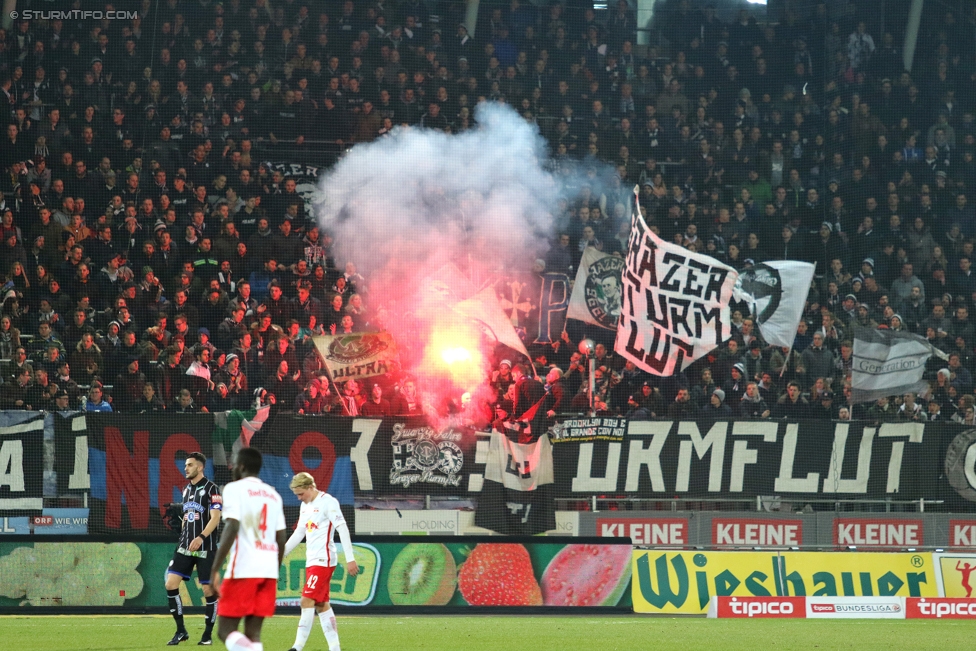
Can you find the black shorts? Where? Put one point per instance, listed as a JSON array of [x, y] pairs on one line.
[[182, 565]]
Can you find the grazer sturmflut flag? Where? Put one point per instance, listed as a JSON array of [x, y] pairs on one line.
[[776, 292], [675, 306], [889, 363]]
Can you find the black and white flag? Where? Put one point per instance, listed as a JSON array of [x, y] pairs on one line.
[[517, 495], [776, 292], [675, 305], [889, 363], [597, 291]]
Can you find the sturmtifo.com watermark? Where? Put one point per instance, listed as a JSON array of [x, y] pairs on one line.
[[73, 14]]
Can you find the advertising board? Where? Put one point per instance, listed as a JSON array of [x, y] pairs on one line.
[[395, 572], [685, 581]]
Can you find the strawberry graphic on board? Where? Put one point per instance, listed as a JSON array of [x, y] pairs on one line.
[[499, 574]]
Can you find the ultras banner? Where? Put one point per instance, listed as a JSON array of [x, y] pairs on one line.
[[131, 467], [597, 293], [363, 354], [757, 458], [516, 498], [888, 362], [776, 292]]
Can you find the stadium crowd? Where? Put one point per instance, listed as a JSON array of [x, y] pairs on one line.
[[148, 246]]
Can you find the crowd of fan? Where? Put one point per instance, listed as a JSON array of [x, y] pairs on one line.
[[147, 247]]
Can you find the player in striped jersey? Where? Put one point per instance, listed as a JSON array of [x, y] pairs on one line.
[[201, 516], [319, 521]]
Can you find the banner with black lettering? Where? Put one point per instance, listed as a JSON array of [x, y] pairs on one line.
[[306, 179], [517, 495], [137, 467], [414, 457], [747, 459], [675, 303], [362, 354], [22, 463]]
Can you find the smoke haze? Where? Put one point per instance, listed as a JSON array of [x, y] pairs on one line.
[[430, 218]]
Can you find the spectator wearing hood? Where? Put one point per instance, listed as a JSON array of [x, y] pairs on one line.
[[754, 362], [128, 386]]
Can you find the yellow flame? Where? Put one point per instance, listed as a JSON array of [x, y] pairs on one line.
[[456, 354]]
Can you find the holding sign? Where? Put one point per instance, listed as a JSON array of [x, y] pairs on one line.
[[675, 303]]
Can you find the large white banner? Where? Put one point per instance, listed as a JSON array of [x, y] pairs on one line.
[[675, 305], [776, 292], [888, 363]]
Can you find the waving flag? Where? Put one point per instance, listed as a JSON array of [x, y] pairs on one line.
[[597, 292], [485, 309], [888, 363], [675, 305], [776, 292]]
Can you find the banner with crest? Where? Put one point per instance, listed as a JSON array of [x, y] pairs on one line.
[[598, 291], [360, 354]]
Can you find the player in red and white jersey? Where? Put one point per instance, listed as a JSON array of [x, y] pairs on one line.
[[319, 521], [254, 540]]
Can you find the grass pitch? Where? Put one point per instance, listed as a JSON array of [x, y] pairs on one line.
[[486, 632]]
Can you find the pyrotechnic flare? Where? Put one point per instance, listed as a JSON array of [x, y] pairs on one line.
[[431, 219]]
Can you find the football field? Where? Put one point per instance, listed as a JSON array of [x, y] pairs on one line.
[[486, 632]]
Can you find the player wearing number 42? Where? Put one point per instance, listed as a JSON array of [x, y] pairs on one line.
[[319, 521]]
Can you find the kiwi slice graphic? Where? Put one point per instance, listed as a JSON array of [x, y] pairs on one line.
[[422, 574]]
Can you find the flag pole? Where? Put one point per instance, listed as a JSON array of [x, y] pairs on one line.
[[333, 385], [535, 373], [789, 353]]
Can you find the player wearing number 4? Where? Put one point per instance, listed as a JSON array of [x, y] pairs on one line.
[[254, 541], [319, 521], [201, 517]]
